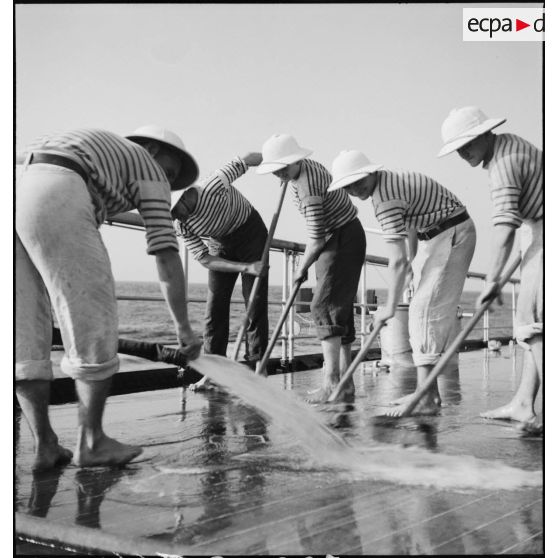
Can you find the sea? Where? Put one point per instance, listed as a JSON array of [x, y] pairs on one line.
[[151, 321]]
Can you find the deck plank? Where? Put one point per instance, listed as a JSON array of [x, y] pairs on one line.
[[217, 478]]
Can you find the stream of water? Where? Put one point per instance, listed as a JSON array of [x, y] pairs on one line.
[[384, 462]]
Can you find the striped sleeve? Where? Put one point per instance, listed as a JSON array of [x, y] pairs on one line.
[[505, 189], [391, 216], [229, 173], [154, 209], [311, 201], [193, 242]]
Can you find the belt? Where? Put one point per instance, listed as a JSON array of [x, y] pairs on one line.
[[443, 226], [60, 161]]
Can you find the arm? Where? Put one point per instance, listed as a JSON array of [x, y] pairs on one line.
[[314, 248], [216, 263], [397, 270], [171, 279], [503, 237], [412, 243], [227, 174], [313, 211]]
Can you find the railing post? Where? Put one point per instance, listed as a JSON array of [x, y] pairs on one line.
[[513, 312], [292, 310], [363, 305], [285, 296], [486, 323]]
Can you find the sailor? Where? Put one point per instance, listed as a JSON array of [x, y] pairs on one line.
[[70, 182], [336, 244], [441, 239], [515, 173], [235, 239]]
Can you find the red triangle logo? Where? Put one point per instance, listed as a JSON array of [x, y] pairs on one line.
[[519, 25]]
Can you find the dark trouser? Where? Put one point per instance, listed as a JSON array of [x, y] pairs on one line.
[[246, 244], [337, 273]]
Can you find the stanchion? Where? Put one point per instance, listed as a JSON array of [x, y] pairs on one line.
[[262, 365]]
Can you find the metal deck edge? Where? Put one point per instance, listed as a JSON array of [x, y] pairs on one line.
[[63, 390]]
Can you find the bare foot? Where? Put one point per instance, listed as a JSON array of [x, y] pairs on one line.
[[321, 395], [205, 384], [106, 452], [425, 407], [531, 427], [406, 398], [511, 411], [50, 455]]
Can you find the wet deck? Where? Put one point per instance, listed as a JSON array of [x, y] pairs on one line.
[[216, 478]]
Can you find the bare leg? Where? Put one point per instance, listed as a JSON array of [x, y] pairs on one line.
[[433, 394], [33, 397], [344, 363], [430, 402], [521, 407], [536, 344], [331, 348], [94, 447]]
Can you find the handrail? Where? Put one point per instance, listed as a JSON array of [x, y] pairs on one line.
[[133, 220], [290, 251]]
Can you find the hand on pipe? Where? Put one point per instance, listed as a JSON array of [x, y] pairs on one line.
[[491, 290]]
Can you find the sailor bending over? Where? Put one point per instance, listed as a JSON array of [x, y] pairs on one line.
[[515, 173], [69, 184], [441, 244]]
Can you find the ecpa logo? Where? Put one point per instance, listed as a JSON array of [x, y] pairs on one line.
[[503, 24]]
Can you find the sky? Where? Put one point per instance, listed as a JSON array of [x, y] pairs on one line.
[[378, 78]]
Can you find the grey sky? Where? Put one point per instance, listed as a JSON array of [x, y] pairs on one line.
[[379, 78]]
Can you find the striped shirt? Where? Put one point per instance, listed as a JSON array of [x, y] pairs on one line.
[[122, 177], [323, 211], [515, 170], [406, 200], [220, 209]]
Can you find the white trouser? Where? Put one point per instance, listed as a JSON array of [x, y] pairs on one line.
[[61, 260], [439, 272], [529, 313]]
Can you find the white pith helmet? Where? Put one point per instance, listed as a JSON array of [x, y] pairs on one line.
[[350, 166], [189, 169], [463, 125], [279, 151]]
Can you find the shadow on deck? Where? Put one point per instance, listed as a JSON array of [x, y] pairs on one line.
[[216, 478]]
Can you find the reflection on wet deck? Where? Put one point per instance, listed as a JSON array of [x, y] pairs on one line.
[[216, 478]]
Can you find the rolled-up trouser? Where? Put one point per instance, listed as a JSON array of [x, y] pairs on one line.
[[338, 270], [61, 260], [439, 272], [529, 314], [245, 244]]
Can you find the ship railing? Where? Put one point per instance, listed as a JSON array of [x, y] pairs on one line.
[[290, 251]]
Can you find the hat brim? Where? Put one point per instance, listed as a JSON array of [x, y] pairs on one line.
[[272, 166], [189, 170], [342, 181], [470, 135], [177, 195]]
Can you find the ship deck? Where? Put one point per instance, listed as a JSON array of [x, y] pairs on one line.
[[218, 478]]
